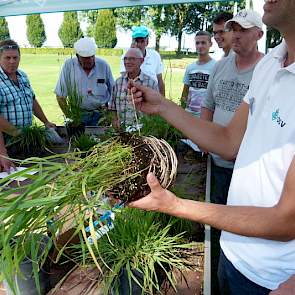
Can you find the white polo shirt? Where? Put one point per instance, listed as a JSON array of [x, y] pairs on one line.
[[152, 65], [266, 152]]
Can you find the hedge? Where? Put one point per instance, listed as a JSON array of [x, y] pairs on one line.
[[99, 51], [69, 51]]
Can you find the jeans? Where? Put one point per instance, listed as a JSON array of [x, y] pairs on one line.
[[90, 118], [232, 282], [220, 181]]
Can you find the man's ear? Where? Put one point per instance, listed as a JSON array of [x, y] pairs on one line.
[[260, 34]]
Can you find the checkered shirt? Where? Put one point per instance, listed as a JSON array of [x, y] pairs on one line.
[[120, 101], [16, 101]]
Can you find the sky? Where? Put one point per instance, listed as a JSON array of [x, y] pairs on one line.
[[52, 22]]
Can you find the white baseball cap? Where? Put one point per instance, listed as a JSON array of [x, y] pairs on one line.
[[85, 47], [246, 19]]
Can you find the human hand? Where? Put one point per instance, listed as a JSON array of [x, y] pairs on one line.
[[159, 199], [5, 164], [286, 288], [49, 125], [146, 99]]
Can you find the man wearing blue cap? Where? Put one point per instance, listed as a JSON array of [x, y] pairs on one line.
[[152, 65]]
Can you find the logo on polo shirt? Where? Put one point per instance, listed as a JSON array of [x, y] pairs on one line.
[[276, 117]]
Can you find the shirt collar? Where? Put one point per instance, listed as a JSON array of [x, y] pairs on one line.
[[280, 53], [6, 76], [139, 77]]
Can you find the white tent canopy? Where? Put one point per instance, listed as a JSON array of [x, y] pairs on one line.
[[21, 7]]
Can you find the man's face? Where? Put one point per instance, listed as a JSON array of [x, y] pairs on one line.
[[244, 40], [222, 38], [132, 62], [203, 44], [140, 43], [9, 61], [87, 63], [279, 14]]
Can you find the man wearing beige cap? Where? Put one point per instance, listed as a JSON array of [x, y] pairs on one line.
[[90, 76]]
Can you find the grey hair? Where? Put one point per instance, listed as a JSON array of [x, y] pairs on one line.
[[137, 51]]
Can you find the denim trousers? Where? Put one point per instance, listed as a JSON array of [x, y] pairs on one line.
[[90, 118], [232, 282]]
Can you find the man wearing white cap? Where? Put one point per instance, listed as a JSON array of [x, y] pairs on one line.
[[227, 86], [91, 76], [152, 64]]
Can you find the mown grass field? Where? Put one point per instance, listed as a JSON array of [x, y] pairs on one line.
[[43, 71]]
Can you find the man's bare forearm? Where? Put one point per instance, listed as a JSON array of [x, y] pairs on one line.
[[38, 112], [246, 221], [7, 127]]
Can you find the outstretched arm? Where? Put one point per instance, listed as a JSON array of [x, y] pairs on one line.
[[38, 112], [243, 220]]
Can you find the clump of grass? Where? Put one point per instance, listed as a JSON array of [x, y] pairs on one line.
[[84, 142], [139, 245], [66, 191], [31, 141]]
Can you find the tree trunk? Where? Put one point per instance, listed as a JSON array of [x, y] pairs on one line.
[[179, 37], [158, 37]]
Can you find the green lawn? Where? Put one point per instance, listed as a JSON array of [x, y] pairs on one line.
[[43, 71]]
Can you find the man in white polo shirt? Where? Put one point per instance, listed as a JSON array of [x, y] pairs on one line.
[[91, 76], [152, 64], [258, 222]]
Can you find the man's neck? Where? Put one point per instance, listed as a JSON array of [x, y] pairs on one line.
[[133, 75], [246, 61], [290, 43], [226, 51], [203, 59]]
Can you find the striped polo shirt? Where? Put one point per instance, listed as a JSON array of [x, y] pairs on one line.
[[16, 101]]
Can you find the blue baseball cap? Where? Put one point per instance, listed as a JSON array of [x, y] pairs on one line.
[[140, 32]]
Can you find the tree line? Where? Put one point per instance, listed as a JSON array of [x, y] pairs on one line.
[[174, 19]]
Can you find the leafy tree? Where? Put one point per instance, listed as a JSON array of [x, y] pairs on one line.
[[4, 31], [105, 29], [90, 17], [273, 38], [70, 30], [35, 30]]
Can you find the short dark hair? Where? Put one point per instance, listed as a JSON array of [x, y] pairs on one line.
[[222, 17], [204, 33], [8, 44]]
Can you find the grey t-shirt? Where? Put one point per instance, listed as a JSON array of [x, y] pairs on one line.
[[96, 88], [226, 90]]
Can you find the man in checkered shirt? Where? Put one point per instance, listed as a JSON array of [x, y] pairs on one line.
[[124, 113], [17, 99]]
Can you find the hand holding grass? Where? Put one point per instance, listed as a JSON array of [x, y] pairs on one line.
[[146, 99], [159, 199]]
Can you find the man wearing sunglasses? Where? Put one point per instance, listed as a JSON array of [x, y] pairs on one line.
[[18, 103]]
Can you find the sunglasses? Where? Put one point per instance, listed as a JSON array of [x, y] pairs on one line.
[[6, 47]]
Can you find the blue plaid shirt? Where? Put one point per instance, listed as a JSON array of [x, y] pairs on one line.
[[16, 101]]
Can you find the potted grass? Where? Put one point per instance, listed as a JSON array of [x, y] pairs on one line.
[[72, 109], [30, 142], [67, 191]]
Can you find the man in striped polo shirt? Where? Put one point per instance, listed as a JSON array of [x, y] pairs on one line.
[[17, 99]]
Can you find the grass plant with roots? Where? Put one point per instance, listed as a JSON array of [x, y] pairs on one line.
[[66, 191]]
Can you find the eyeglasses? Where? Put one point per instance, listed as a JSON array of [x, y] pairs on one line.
[[132, 59], [220, 32], [6, 47]]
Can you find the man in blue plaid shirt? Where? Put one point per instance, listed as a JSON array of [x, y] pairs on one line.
[[17, 99]]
